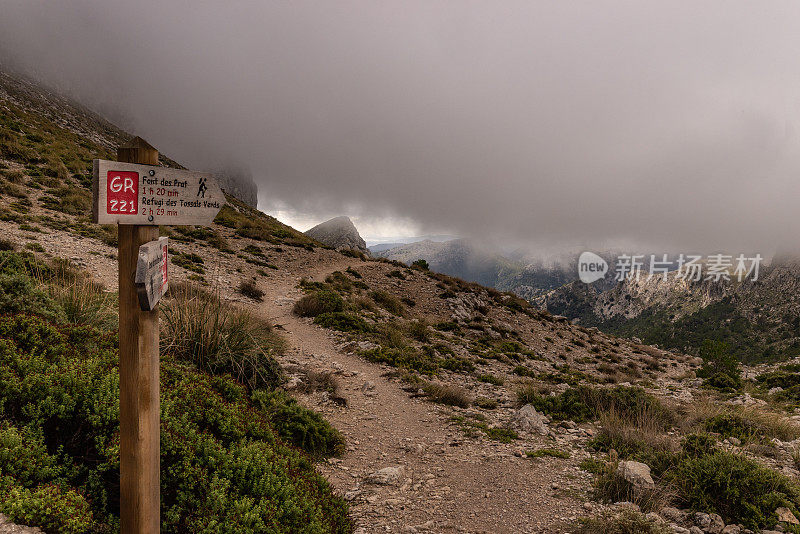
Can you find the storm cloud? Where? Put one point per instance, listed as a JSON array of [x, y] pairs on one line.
[[665, 124]]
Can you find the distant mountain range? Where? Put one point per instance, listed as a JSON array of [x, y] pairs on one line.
[[758, 320], [470, 260]]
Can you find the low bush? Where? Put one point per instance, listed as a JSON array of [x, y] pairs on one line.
[[486, 403], [317, 303], [190, 262], [737, 488], [421, 264], [19, 292], [721, 370], [419, 330], [490, 379], [300, 426], [503, 435], [388, 302], [220, 454], [583, 403], [343, 322], [404, 358], [626, 522]]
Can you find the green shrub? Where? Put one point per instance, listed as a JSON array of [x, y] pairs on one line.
[[404, 357], [421, 264], [68, 199], [721, 369], [491, 379], [503, 435], [419, 331], [190, 262], [223, 466], [20, 294], [737, 488], [627, 522], [319, 302], [732, 425], [344, 322], [352, 272], [300, 426], [49, 506], [486, 403], [387, 301], [198, 327], [583, 403]]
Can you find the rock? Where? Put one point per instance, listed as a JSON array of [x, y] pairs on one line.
[[734, 441], [786, 516], [677, 529], [746, 400], [339, 233], [775, 390], [695, 530], [238, 183], [293, 383], [368, 386], [7, 527], [673, 515], [711, 523], [732, 529], [529, 420], [636, 473], [702, 520], [388, 476]]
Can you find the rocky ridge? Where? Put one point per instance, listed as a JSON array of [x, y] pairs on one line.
[[340, 234]]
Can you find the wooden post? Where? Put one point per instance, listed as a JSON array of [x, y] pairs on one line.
[[139, 404]]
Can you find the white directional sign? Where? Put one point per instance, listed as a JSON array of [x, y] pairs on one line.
[[127, 193], [151, 273]]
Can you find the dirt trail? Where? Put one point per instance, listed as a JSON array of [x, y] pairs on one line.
[[449, 483]]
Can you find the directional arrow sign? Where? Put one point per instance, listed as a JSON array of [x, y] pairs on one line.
[[127, 193], [151, 273]]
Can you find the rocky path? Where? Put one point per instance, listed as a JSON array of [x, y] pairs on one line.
[[407, 468]]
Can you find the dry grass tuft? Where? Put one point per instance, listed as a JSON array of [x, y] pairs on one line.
[[449, 395], [198, 327]]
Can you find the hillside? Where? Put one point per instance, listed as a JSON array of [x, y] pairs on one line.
[[759, 320], [448, 406]]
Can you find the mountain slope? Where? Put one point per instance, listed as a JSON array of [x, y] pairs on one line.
[[759, 320], [463, 408]]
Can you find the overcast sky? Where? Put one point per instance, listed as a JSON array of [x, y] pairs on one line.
[[672, 124]]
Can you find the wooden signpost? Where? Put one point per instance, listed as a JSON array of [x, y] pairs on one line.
[[138, 195]]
